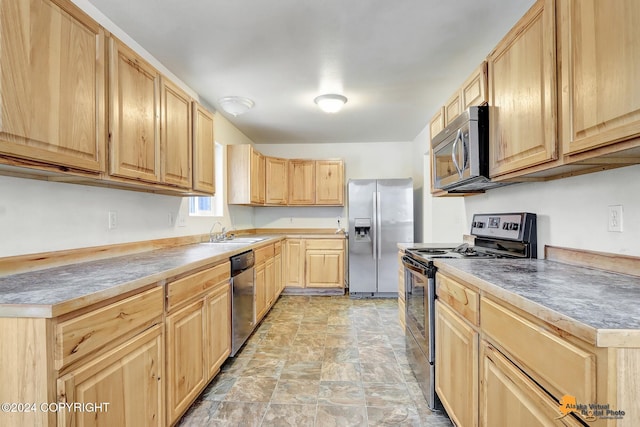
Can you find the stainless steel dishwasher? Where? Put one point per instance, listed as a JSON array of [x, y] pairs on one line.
[[243, 290]]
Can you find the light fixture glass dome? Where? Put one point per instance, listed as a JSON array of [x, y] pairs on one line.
[[330, 103], [236, 105]]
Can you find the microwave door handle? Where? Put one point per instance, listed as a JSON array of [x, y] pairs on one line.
[[454, 150], [465, 154]]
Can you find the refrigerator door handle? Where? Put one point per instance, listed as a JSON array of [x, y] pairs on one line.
[[378, 225], [374, 237]]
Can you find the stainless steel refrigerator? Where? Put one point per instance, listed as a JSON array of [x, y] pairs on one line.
[[380, 216]]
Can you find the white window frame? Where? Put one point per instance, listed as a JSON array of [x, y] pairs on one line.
[[216, 206]]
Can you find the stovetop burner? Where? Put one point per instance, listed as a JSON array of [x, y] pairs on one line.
[[431, 251]]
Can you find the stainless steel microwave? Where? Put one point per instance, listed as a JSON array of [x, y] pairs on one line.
[[460, 161]]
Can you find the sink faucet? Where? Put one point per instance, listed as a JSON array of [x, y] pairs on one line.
[[217, 237]]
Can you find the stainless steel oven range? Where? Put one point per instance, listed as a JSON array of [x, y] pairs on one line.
[[505, 235]]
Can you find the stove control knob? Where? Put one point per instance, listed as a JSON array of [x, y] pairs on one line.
[[514, 226], [506, 226]]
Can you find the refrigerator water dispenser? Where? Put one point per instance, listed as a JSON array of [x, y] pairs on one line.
[[363, 229]]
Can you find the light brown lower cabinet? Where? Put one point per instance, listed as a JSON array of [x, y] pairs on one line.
[[457, 368], [294, 263], [198, 335], [185, 358], [500, 366], [510, 398], [267, 269], [277, 265], [260, 304], [314, 263], [125, 382], [218, 310]]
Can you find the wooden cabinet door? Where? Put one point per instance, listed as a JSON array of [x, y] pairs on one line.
[[218, 309], [277, 263], [452, 108], [302, 183], [185, 358], [474, 89], [270, 282], [324, 268], [329, 182], [522, 93], [276, 181], [457, 368], [437, 123], [52, 85], [134, 119], [601, 60], [261, 291], [510, 398], [257, 177], [204, 177], [175, 135], [293, 267], [128, 378]]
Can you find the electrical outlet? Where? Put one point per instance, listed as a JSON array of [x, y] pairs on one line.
[[170, 219], [614, 218], [113, 220], [182, 220]]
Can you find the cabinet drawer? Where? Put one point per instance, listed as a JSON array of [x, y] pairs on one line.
[[263, 254], [559, 366], [509, 398], [462, 299], [325, 244], [191, 286], [79, 336]]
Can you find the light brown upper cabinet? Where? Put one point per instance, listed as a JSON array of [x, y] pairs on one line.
[[329, 182], [203, 151], [302, 182], [600, 57], [134, 145], [257, 171], [437, 123], [452, 108], [277, 171], [175, 136], [254, 179], [522, 93], [150, 122], [473, 92], [52, 85], [246, 175]]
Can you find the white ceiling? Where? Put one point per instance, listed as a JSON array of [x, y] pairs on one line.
[[396, 61]]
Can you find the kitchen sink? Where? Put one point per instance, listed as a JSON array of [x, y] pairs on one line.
[[238, 241], [246, 239]]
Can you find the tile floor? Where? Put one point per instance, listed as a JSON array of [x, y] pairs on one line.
[[318, 361]]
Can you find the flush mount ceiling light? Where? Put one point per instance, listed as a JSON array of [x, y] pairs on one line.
[[331, 103], [236, 105]]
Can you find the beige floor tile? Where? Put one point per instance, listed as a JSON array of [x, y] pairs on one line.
[[318, 361]]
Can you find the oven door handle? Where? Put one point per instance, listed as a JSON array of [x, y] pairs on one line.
[[410, 265]]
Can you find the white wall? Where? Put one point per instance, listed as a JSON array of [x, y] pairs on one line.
[[572, 212], [362, 161]]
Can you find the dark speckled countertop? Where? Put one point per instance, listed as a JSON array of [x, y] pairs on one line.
[[56, 291], [600, 307]]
